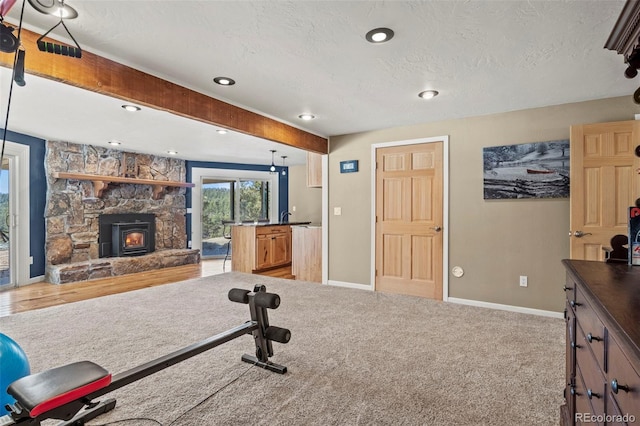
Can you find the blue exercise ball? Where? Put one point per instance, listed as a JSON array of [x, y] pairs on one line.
[[13, 365]]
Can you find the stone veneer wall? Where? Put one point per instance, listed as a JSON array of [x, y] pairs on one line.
[[72, 211]]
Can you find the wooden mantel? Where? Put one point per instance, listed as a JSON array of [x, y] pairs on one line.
[[100, 183], [101, 75]]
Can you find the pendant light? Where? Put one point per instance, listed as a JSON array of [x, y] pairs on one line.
[[272, 169], [284, 171]]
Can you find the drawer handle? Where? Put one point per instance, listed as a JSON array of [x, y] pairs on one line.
[[573, 391], [591, 338], [574, 345], [615, 386], [592, 394], [573, 303], [565, 288]]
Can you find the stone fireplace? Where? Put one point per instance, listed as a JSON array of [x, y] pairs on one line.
[[76, 246]]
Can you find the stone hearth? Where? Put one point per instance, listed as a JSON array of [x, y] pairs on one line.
[[113, 266], [73, 208]]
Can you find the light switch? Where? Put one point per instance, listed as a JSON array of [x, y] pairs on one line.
[[337, 211]]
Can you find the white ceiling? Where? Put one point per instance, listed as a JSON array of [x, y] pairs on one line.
[[290, 57]]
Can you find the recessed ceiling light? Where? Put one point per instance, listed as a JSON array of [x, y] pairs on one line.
[[379, 35], [306, 117], [224, 81], [55, 8], [131, 108], [222, 131], [115, 143], [428, 94], [172, 152]]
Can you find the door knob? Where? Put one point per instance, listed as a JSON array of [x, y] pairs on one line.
[[437, 228], [580, 234]]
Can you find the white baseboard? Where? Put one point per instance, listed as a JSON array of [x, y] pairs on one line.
[[510, 308], [469, 302], [349, 285]]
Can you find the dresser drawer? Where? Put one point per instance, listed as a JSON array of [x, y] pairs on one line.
[[585, 413], [570, 289], [592, 376], [615, 417], [593, 333], [622, 375]]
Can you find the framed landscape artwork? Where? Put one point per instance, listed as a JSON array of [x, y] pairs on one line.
[[530, 170]]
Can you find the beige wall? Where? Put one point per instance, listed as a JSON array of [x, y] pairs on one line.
[[307, 201], [494, 241]]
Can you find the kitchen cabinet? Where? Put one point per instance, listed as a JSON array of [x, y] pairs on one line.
[[314, 170], [273, 246], [306, 261], [260, 247]]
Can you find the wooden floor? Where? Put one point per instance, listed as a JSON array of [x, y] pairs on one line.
[[42, 295]]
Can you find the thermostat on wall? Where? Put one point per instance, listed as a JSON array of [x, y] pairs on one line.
[[350, 166], [457, 271]]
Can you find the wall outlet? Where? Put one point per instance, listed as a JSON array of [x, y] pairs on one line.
[[523, 281], [293, 208], [337, 211]]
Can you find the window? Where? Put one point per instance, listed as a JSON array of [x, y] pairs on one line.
[[238, 200], [253, 200]]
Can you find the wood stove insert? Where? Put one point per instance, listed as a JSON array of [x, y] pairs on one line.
[[130, 234]]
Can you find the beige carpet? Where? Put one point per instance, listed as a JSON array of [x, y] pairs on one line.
[[355, 357]]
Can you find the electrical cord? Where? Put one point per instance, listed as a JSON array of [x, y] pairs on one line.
[[220, 389], [212, 395], [131, 419]]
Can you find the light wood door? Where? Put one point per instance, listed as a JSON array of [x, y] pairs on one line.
[[604, 183], [409, 219]]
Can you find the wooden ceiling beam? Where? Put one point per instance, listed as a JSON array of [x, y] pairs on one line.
[[107, 77]]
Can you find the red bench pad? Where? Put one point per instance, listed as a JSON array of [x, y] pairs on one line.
[[49, 389]]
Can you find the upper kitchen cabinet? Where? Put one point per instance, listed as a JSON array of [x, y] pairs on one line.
[[314, 170]]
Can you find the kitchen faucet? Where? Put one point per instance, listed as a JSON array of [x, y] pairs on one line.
[[284, 215]]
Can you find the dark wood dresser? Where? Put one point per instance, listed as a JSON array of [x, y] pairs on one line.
[[603, 344]]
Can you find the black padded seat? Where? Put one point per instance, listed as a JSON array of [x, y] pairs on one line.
[[50, 389]]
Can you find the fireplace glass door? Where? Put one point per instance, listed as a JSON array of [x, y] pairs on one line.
[[134, 240]]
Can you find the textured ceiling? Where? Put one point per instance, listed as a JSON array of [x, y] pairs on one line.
[[311, 56]]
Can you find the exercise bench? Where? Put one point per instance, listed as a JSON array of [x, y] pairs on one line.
[[66, 393]]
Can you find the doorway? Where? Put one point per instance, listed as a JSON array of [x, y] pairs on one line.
[[14, 228], [604, 184], [410, 220], [6, 261]]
